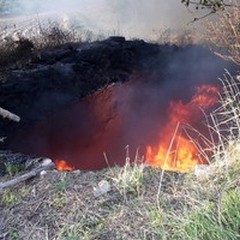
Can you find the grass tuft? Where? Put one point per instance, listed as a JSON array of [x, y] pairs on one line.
[[13, 168], [129, 178]]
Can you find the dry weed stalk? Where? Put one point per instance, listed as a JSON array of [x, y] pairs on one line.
[[226, 118], [224, 33], [224, 128]]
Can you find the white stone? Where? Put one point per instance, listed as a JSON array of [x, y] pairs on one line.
[[102, 188], [43, 173], [46, 162]]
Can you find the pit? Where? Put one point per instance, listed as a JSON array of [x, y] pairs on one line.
[[95, 105]]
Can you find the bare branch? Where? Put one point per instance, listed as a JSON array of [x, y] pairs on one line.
[[11, 116], [25, 176]]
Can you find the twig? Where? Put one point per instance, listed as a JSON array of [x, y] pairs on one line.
[[26, 176], [212, 5], [11, 116], [202, 17]]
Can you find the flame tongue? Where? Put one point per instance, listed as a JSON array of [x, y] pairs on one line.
[[182, 159], [63, 166], [176, 152]]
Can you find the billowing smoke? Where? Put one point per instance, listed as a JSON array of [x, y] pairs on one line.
[[131, 18], [134, 113]]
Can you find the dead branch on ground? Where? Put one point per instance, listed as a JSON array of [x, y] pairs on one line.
[[11, 116], [26, 176]]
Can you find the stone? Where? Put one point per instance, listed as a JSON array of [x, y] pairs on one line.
[[102, 188], [46, 162]]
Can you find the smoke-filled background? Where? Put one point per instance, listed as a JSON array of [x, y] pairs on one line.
[[131, 18]]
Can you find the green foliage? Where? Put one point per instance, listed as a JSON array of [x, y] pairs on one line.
[[58, 200], [13, 234], [219, 220], [8, 198], [215, 221], [62, 185], [129, 178], [13, 168], [82, 229]]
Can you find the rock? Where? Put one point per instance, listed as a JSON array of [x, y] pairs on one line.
[[77, 171], [43, 173], [102, 188], [46, 162]]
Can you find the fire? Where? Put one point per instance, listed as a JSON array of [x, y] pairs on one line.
[[63, 166], [176, 152], [206, 96]]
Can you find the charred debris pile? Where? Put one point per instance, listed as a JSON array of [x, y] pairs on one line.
[[55, 78]]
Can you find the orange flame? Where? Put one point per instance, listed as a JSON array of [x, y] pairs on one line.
[[63, 166], [176, 152]]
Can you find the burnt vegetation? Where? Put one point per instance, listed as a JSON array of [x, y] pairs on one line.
[[42, 75], [18, 51]]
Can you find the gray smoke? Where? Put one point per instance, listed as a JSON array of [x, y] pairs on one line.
[[131, 18]]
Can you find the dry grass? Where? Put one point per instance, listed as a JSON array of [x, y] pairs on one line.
[[129, 178], [62, 206], [179, 38], [223, 33], [18, 46]]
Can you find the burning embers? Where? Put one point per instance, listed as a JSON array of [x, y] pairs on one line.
[[62, 165], [174, 151]]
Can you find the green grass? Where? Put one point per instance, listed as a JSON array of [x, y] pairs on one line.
[[62, 184], [13, 168], [13, 234], [216, 220], [8, 198], [128, 179]]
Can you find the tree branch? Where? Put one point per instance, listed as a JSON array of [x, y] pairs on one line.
[[11, 116], [26, 176]]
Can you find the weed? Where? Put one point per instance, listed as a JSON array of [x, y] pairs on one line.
[[8, 198], [129, 178], [215, 221], [223, 33], [61, 186], [13, 234], [85, 228], [58, 200], [13, 168]]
